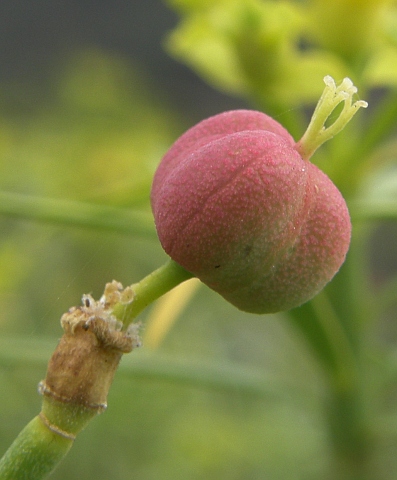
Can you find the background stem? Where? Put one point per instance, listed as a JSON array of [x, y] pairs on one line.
[[77, 214]]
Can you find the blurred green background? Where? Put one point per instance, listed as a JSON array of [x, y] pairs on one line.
[[89, 102]]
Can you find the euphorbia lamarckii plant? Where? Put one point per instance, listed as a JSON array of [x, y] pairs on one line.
[[236, 203], [239, 205]]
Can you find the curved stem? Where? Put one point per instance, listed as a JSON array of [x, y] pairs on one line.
[[150, 289]]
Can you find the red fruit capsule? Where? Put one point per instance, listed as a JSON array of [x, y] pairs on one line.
[[236, 205]]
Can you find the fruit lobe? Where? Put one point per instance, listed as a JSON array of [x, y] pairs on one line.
[[236, 205]]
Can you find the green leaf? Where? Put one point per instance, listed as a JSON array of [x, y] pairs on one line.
[[203, 46], [251, 48], [381, 69]]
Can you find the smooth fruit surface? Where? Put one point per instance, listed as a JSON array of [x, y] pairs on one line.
[[236, 205]]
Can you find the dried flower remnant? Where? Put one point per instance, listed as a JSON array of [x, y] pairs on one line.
[[83, 365]]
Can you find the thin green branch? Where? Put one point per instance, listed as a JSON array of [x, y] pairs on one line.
[[346, 361], [150, 289], [35, 453], [78, 214]]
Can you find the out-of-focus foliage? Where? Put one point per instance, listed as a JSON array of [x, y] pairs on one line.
[[97, 136], [278, 51], [248, 48]]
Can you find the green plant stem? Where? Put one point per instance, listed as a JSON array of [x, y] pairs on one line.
[[349, 434], [150, 289], [80, 214], [342, 351], [34, 454], [347, 411], [45, 440], [78, 377], [332, 323], [347, 429]]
